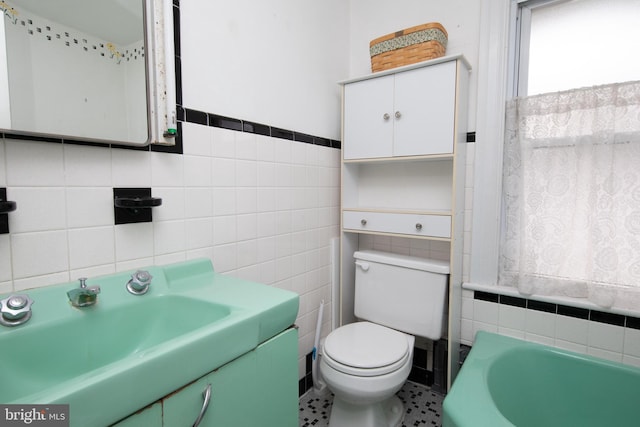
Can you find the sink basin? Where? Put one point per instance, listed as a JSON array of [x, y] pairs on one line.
[[111, 359], [60, 351]]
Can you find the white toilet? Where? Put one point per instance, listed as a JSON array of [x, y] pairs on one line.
[[365, 363]]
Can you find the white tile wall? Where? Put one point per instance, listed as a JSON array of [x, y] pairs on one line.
[[261, 208], [621, 344]]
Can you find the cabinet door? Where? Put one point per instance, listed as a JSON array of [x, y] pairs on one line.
[[424, 110], [277, 381], [230, 392], [368, 118], [259, 388]]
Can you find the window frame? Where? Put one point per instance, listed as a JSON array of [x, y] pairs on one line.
[[497, 79], [520, 39]]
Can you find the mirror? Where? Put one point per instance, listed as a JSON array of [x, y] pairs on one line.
[[75, 69]]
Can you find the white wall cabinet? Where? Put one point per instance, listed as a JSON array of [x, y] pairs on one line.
[[404, 114], [403, 168]]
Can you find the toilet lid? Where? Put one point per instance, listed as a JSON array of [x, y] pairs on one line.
[[368, 348]]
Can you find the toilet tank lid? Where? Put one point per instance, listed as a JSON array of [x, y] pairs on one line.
[[416, 263]]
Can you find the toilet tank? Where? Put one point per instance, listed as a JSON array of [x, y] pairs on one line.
[[402, 292]]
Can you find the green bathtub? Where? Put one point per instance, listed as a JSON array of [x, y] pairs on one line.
[[509, 382]]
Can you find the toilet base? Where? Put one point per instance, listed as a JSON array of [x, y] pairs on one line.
[[388, 413]]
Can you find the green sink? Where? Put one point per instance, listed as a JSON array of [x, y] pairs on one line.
[[60, 351], [127, 351]]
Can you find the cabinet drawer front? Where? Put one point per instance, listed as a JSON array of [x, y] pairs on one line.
[[411, 224]]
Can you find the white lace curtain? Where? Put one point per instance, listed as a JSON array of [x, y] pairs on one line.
[[571, 195]]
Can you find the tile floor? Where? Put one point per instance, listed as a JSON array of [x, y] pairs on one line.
[[423, 407]]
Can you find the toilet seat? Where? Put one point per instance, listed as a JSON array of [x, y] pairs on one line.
[[366, 349]]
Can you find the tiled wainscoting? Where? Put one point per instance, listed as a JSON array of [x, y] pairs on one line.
[[600, 334], [261, 207]]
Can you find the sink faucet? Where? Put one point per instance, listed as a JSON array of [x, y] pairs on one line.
[[84, 295]]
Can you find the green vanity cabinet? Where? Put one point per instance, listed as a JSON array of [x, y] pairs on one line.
[[259, 388], [149, 416], [232, 397]]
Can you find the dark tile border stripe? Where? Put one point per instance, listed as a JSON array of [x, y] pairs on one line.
[[563, 310], [633, 322], [609, 318], [513, 301], [209, 119], [546, 307], [486, 296], [195, 116], [224, 122], [303, 137], [578, 313], [257, 128]]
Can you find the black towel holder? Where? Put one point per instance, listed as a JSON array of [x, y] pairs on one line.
[[7, 206], [137, 202]]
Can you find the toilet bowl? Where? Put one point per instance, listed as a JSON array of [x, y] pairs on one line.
[[365, 374], [365, 363]]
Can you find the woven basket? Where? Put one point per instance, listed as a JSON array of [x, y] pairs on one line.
[[415, 44]]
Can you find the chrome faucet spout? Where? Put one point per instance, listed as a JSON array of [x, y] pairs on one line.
[[84, 295]]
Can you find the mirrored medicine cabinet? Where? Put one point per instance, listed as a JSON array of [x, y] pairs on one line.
[[89, 70]]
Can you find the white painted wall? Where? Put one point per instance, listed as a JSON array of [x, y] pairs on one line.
[[275, 62]]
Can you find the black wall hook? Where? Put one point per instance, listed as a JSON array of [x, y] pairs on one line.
[[137, 202], [6, 206], [131, 205]]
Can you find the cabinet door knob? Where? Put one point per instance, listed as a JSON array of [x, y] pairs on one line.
[[398, 115], [385, 116], [418, 226], [363, 222]]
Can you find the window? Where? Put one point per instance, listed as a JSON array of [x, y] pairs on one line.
[[576, 43], [571, 186]]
